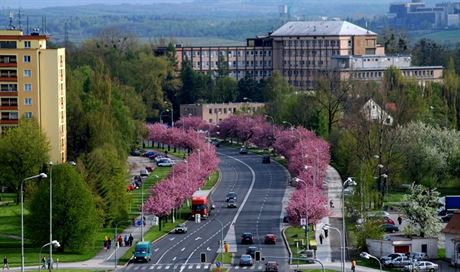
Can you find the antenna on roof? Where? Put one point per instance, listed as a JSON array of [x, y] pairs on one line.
[[11, 25], [19, 18]]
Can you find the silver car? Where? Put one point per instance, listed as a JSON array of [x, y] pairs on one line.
[[422, 266]]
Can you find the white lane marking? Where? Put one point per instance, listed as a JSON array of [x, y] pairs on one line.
[[253, 181], [197, 238], [172, 238], [159, 267], [156, 249], [205, 266], [167, 267], [182, 249], [198, 266], [174, 258], [190, 266], [208, 249]]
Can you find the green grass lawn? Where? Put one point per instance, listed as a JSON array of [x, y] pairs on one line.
[[295, 236]]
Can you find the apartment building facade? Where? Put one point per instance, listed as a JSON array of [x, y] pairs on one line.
[[32, 85], [216, 112], [299, 51]]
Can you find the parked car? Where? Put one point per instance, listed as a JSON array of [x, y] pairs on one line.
[[389, 228], [246, 259], [271, 266], [181, 228], [243, 150], [378, 214], [388, 220], [158, 158], [231, 195], [421, 266], [231, 203], [135, 153], [398, 262], [390, 257], [247, 238], [149, 153], [270, 238], [216, 143], [165, 162], [419, 256], [251, 251], [144, 173]]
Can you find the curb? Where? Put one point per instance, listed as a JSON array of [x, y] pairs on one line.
[[286, 243]]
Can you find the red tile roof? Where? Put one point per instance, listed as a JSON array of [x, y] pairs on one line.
[[453, 227]]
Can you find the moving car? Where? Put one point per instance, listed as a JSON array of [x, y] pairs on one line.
[[231, 203], [419, 256], [181, 228], [243, 150], [422, 266], [389, 228], [247, 238], [270, 238], [251, 251], [271, 266], [231, 195], [142, 252], [246, 259], [216, 143]]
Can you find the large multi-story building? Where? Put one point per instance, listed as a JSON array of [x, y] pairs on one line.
[[214, 113], [32, 85], [298, 51]]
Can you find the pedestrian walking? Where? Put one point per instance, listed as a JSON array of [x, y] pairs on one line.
[[144, 220], [326, 232], [5, 263], [131, 238], [353, 265], [109, 243], [399, 219], [126, 240], [133, 221], [120, 241], [321, 238], [331, 203], [44, 262]]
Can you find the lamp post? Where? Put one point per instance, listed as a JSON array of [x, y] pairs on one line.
[[366, 255], [307, 228], [348, 182], [51, 244], [51, 216], [327, 227], [116, 240], [41, 175], [221, 240]]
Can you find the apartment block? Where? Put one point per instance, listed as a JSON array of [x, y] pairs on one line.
[[32, 85], [214, 113], [299, 51]]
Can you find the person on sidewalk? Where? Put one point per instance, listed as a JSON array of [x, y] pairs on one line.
[[44, 263], [399, 220], [326, 232], [353, 265], [321, 238], [5, 263], [331, 203], [131, 238]]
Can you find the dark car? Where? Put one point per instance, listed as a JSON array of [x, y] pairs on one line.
[[216, 143], [247, 238], [231, 195], [149, 154], [251, 251], [246, 260], [389, 228], [231, 203], [266, 159], [271, 266], [135, 153], [243, 150], [270, 238]]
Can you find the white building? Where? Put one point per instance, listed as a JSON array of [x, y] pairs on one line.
[[452, 242], [373, 112]]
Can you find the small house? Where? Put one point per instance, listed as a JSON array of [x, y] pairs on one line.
[[403, 244], [452, 233]]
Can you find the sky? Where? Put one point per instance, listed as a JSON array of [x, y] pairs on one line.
[[27, 4]]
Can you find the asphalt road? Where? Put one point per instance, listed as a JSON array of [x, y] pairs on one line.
[[260, 188]]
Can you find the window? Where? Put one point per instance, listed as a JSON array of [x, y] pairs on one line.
[[26, 44], [26, 59], [7, 44], [210, 111], [28, 101], [27, 73], [27, 87], [28, 114]]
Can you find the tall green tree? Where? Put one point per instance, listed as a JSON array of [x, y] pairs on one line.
[[24, 151], [75, 220]]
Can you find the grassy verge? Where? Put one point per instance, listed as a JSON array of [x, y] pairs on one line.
[[297, 243]]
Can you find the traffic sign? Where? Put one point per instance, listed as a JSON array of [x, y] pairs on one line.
[[218, 264], [303, 221]]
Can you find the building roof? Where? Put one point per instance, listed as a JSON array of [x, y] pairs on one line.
[[322, 28], [453, 227]]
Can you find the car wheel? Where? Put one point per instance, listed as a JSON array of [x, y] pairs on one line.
[[391, 265], [432, 270]]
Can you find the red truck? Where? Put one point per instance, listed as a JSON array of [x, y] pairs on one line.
[[201, 203]]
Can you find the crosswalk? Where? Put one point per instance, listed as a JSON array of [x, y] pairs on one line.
[[189, 267]]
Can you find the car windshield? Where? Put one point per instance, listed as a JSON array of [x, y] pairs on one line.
[[231, 194], [198, 207], [141, 249], [246, 257]]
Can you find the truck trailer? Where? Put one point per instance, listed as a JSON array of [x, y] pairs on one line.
[[201, 203]]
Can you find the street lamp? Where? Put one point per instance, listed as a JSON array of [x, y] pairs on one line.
[[366, 255], [51, 244], [307, 229], [51, 216], [41, 175], [342, 254], [221, 241], [348, 182], [116, 240]]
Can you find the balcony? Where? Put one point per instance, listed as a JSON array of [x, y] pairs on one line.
[[9, 107], [8, 64], [9, 121], [8, 93]]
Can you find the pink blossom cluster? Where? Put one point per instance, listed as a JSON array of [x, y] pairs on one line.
[[187, 176]]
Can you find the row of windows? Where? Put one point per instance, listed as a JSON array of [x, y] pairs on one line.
[[14, 101], [12, 87], [241, 74], [300, 83], [14, 115], [362, 75], [311, 53], [231, 53], [303, 63], [229, 110], [298, 73], [313, 43], [261, 63], [12, 59]]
